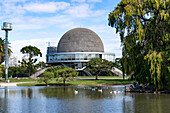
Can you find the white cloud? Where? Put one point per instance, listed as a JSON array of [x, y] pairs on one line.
[[49, 7], [98, 13], [78, 0], [94, 0], [103, 29], [84, 10], [33, 23], [10, 1], [86, 0], [10, 10], [79, 11]]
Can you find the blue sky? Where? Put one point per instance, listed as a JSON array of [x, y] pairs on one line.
[[36, 22]]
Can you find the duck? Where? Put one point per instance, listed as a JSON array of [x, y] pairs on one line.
[[114, 92], [99, 90], [76, 92]]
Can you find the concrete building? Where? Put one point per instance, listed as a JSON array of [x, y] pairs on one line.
[[13, 61], [76, 47]]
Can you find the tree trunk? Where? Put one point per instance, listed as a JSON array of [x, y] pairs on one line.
[[29, 72], [64, 82], [96, 76], [123, 67], [29, 64]]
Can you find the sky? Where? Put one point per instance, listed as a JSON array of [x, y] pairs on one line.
[[37, 22]]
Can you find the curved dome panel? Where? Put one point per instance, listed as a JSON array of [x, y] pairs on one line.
[[80, 40]]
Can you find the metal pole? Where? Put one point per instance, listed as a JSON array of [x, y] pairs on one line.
[[6, 55]]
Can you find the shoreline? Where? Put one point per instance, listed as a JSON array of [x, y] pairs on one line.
[[14, 84], [147, 91]]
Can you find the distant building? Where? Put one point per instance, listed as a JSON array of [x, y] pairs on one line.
[[26, 58], [13, 61]]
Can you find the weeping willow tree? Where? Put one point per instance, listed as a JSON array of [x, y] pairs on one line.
[[145, 37]]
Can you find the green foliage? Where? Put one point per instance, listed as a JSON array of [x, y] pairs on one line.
[[18, 71], [146, 44], [108, 73], [62, 73], [31, 51], [54, 70], [85, 82], [41, 65], [66, 73], [98, 65], [47, 77], [2, 70]]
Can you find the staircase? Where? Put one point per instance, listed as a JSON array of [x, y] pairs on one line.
[[35, 75], [88, 73], [117, 71]]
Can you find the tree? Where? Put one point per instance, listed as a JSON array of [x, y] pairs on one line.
[[98, 65], [66, 73], [54, 70], [31, 51], [41, 65], [18, 71], [47, 77], [146, 43]]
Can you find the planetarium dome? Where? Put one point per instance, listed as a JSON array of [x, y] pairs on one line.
[[80, 40]]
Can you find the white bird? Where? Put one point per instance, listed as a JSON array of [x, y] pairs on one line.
[[99, 90], [114, 92], [111, 92], [76, 92]]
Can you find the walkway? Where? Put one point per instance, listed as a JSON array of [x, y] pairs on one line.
[[12, 84]]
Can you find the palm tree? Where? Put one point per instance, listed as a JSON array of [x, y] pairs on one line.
[[2, 48]]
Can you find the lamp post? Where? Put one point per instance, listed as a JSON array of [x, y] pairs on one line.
[[6, 27]]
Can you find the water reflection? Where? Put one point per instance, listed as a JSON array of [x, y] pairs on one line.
[[88, 99]]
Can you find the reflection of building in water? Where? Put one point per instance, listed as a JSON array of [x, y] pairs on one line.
[[76, 47], [13, 61]]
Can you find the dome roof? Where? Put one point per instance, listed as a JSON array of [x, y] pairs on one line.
[[80, 40]]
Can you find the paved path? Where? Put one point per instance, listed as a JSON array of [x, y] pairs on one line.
[[12, 84]]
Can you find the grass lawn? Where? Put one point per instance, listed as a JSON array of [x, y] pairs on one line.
[[103, 80], [100, 77], [82, 82], [86, 77]]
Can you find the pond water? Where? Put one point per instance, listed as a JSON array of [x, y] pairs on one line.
[[110, 99]]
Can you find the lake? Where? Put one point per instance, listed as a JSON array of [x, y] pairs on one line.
[[111, 99]]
